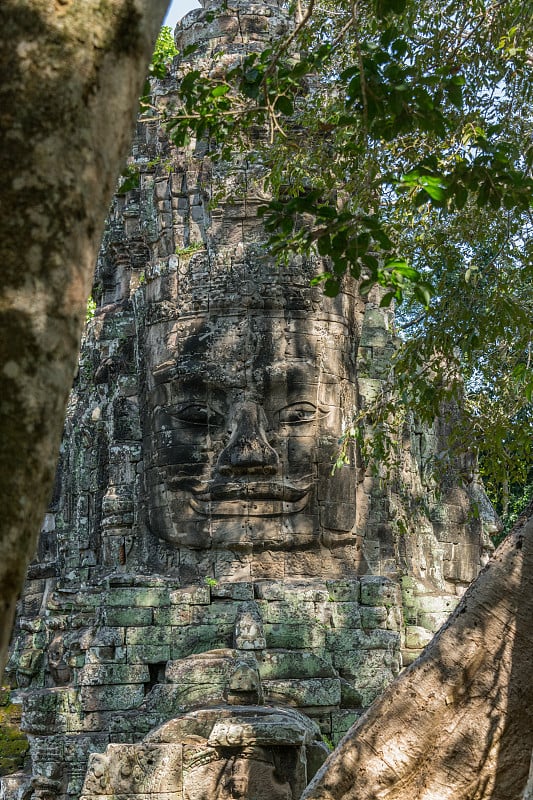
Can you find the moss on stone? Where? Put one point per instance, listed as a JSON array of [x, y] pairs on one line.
[[13, 743]]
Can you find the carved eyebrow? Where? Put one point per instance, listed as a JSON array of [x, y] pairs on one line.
[[283, 372], [191, 373]]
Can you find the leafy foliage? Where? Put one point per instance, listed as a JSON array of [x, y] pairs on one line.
[[399, 148], [520, 497], [91, 309], [164, 52]]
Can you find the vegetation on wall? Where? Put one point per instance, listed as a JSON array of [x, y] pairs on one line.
[[400, 149], [14, 745]]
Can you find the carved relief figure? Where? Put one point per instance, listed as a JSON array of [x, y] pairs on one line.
[[251, 773], [60, 671], [246, 408]]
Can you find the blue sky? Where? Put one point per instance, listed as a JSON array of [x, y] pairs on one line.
[[178, 9]]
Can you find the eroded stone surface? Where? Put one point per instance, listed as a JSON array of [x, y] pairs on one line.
[[226, 753], [199, 560]]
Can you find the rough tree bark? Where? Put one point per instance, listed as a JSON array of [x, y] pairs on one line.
[[71, 73], [458, 723]]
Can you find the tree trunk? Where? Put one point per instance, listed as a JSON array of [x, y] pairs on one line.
[[457, 724], [71, 76]]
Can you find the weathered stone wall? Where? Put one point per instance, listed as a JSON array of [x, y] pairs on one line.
[[200, 564]]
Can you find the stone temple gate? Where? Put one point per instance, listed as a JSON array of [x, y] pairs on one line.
[[210, 608]]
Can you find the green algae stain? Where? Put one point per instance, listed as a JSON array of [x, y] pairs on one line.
[[13, 743]]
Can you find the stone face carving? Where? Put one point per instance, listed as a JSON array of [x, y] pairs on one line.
[[245, 413]]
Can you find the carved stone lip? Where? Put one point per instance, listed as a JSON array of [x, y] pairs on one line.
[[249, 498]]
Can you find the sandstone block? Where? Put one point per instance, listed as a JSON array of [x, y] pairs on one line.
[[344, 639], [437, 604], [373, 617], [294, 664], [303, 692], [344, 590], [298, 637], [162, 635], [191, 595], [96, 675], [105, 654], [218, 613], [199, 638], [201, 669], [287, 611], [408, 656], [135, 770], [173, 615], [292, 592], [134, 597], [274, 730], [432, 621], [379, 591], [46, 711], [233, 591], [111, 698], [341, 722], [360, 664], [350, 697], [127, 617], [171, 699], [102, 637], [147, 653]]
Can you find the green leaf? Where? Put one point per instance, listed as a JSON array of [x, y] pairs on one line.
[[190, 49], [220, 91], [371, 262], [349, 72], [331, 287], [402, 268], [355, 270], [399, 47], [324, 245], [366, 286], [326, 212], [460, 193], [421, 198], [284, 105], [455, 93], [320, 278], [252, 75], [422, 294], [387, 299], [434, 186]]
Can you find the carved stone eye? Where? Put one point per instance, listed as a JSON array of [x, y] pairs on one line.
[[197, 414], [298, 414]]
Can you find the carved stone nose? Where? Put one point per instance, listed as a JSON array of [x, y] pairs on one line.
[[248, 450]]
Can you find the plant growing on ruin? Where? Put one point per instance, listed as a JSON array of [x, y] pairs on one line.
[[190, 249], [91, 309], [399, 150]]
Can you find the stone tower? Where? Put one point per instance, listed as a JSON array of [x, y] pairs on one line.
[[210, 606]]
